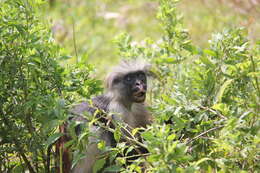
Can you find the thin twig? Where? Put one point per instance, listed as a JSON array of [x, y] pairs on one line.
[[18, 146], [74, 40], [48, 159], [256, 79], [203, 133], [213, 111], [137, 155]]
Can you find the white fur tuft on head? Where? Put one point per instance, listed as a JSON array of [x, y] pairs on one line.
[[125, 67]]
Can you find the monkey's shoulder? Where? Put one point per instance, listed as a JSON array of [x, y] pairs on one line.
[[99, 103]]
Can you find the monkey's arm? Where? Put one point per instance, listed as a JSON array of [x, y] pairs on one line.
[[80, 113]]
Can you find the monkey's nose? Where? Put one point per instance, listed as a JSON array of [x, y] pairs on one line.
[[137, 83]]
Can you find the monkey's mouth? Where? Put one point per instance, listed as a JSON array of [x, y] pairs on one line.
[[139, 96]]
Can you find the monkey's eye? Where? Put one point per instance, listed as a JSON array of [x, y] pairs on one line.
[[116, 81], [128, 78], [142, 77]]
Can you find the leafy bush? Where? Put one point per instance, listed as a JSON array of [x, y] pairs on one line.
[[34, 94], [205, 101]]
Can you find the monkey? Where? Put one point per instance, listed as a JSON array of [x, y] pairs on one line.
[[125, 96]]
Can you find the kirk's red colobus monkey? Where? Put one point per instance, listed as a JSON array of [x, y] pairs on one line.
[[125, 94]]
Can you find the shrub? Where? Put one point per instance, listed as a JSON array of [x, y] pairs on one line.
[[35, 90], [205, 101]]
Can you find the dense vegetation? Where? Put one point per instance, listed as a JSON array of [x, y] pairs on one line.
[[205, 100]]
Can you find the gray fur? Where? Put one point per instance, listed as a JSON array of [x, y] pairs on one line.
[[124, 68], [113, 101]]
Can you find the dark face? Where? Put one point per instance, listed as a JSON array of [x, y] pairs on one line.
[[131, 87], [136, 86]]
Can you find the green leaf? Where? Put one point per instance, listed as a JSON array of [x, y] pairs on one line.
[[134, 131], [171, 137], [148, 136], [77, 157], [221, 107], [18, 168], [99, 165], [222, 90], [83, 135], [154, 158], [179, 122], [192, 49], [113, 168], [65, 57], [69, 143], [52, 139], [206, 61], [101, 145], [201, 160], [129, 149], [209, 52], [117, 134]]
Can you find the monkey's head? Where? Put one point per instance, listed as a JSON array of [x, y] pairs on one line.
[[128, 81]]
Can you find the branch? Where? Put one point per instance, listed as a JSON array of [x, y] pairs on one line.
[[74, 39], [48, 159], [18, 146], [27, 162], [256, 79], [203, 133], [213, 111]]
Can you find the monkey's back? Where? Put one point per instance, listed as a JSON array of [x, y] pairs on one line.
[[98, 103], [97, 107]]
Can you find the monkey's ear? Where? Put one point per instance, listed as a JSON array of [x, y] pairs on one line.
[[111, 79]]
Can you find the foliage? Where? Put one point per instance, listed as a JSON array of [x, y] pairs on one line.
[[35, 90], [205, 100]]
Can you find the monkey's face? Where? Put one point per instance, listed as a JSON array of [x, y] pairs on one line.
[[136, 86]]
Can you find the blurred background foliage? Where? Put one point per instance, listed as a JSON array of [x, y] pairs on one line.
[[92, 25]]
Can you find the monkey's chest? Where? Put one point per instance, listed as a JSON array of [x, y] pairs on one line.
[[133, 121]]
